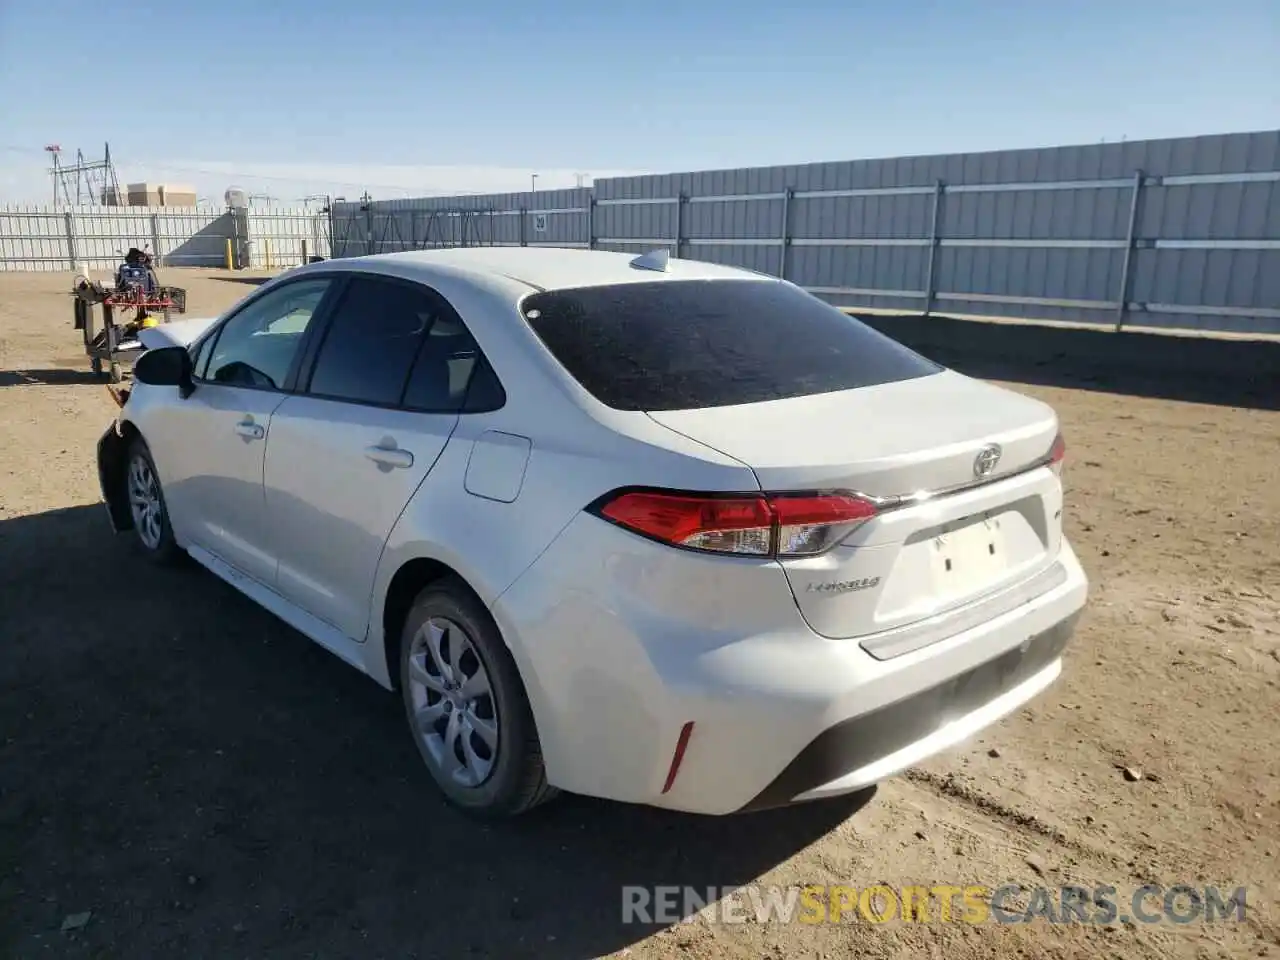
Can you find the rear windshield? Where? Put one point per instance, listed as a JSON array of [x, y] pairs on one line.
[[687, 344]]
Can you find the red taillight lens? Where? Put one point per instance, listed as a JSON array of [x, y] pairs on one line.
[[725, 524], [1057, 454], [812, 524], [787, 525]]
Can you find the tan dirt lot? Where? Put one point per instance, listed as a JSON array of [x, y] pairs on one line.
[[206, 783]]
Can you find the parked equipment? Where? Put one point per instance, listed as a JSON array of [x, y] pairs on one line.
[[135, 300]]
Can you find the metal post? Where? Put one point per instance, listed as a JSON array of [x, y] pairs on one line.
[[328, 224], [591, 222], [233, 258], [70, 224], [938, 190], [785, 240], [155, 239], [524, 225], [1122, 309], [679, 224]]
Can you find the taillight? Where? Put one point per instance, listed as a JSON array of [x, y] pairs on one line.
[[723, 524], [1058, 455], [761, 524]]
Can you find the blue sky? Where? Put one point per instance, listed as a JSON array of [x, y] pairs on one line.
[[291, 97]]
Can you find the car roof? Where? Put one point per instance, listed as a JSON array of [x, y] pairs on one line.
[[551, 268]]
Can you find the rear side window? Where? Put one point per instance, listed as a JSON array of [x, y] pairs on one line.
[[450, 373], [372, 342], [687, 344]]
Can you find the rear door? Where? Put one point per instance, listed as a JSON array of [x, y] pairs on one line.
[[349, 450]]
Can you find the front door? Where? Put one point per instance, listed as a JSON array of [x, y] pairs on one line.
[[214, 480]]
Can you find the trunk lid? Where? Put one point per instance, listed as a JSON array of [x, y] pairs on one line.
[[949, 536]]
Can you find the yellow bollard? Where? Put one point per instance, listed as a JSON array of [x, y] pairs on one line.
[[230, 263]]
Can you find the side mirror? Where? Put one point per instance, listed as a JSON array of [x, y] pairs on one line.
[[166, 367]]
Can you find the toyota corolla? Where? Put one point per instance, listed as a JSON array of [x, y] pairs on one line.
[[640, 528]]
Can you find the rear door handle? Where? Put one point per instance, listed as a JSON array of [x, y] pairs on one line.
[[389, 456], [247, 428]]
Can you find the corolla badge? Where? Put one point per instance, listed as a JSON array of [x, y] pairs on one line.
[[985, 462]]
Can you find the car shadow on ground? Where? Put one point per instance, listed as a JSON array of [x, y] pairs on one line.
[[206, 781], [52, 377], [251, 281], [1240, 373]]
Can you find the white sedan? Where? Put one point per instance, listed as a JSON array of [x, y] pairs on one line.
[[651, 530]]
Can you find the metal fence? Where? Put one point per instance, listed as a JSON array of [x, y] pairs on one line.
[[1162, 233], [284, 238], [557, 218], [58, 239]]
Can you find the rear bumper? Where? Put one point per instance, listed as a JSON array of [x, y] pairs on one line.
[[621, 642], [862, 750]]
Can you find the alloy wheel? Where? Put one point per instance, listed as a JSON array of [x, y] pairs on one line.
[[145, 503], [454, 712]]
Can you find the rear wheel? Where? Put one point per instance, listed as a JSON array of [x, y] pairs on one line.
[[466, 706], [152, 533]]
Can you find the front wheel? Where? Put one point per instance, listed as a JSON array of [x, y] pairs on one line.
[[467, 707], [152, 533]]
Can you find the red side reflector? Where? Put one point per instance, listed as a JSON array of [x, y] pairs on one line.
[[1058, 455], [681, 744], [1058, 452]]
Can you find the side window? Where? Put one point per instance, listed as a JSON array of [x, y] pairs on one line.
[[450, 362], [256, 347], [372, 341]]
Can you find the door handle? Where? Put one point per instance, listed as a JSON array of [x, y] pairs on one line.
[[249, 429], [389, 456]]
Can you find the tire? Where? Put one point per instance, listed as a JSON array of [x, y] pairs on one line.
[[502, 780], [153, 535]]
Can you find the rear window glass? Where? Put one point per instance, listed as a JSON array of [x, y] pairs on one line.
[[686, 344]]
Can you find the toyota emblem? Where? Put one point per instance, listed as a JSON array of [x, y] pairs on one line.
[[985, 462]]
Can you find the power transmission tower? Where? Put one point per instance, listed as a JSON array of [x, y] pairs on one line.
[[85, 182]]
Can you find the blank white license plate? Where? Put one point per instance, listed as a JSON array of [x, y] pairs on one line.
[[969, 558]]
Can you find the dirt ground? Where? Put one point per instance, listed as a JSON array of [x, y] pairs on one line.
[[204, 782]]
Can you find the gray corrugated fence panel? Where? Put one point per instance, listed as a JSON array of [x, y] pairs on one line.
[[894, 216], [827, 269], [1235, 281], [195, 238], [102, 235], [1019, 273], [764, 259], [33, 238], [640, 222], [53, 238], [738, 219], [277, 236]]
